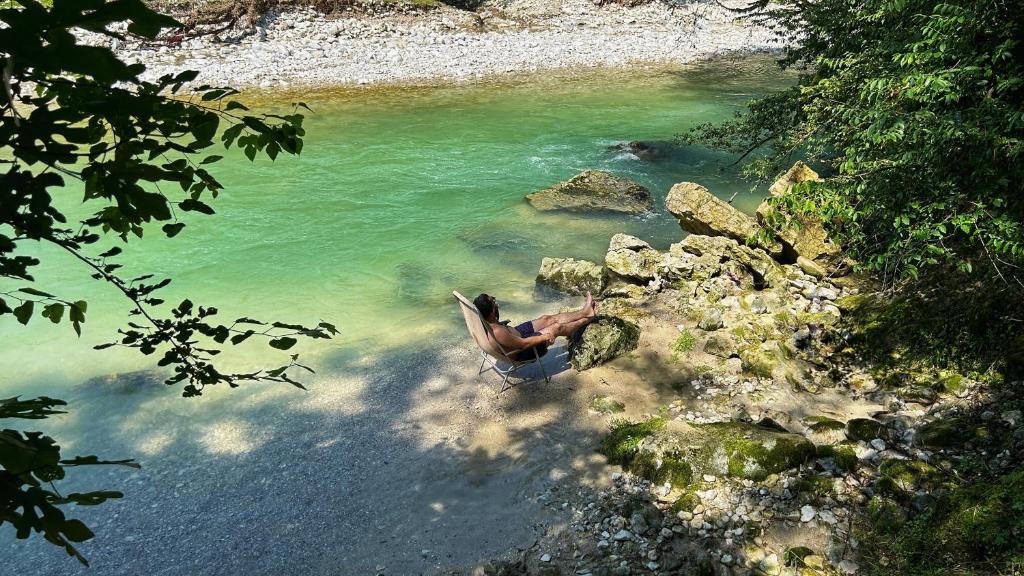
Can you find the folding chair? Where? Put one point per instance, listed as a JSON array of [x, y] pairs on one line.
[[490, 351]]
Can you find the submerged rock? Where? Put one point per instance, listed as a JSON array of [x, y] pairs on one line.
[[701, 212], [571, 276], [677, 452], [594, 190], [602, 340], [642, 150]]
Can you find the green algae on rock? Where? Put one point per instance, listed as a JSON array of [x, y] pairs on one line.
[[677, 452], [605, 338], [594, 190], [606, 405]]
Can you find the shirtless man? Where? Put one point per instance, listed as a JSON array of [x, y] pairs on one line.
[[521, 340]]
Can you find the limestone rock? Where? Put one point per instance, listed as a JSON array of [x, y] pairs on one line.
[[571, 276], [710, 320], [797, 174], [594, 190], [632, 258], [807, 236], [677, 452], [712, 251], [602, 340], [701, 212]]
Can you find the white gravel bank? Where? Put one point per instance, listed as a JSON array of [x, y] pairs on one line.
[[306, 48]]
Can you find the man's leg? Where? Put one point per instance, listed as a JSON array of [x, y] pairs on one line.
[[585, 313], [568, 328]]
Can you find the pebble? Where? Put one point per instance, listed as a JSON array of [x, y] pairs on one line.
[[878, 444], [807, 513], [545, 558], [623, 535]]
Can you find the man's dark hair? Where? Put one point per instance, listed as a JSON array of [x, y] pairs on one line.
[[485, 304]]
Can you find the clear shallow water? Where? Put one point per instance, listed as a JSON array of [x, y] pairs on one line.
[[400, 196]]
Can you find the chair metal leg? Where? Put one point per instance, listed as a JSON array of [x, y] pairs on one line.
[[541, 364], [483, 361]]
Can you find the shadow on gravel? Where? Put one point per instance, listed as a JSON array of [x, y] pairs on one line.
[[398, 462]]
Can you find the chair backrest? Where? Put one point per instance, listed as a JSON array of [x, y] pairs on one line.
[[479, 329]]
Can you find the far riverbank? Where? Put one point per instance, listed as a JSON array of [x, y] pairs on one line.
[[302, 48]]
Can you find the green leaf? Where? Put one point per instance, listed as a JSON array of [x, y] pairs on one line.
[[172, 230], [76, 531], [34, 292], [54, 312], [24, 312], [283, 343]]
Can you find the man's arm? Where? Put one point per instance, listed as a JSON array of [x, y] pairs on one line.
[[512, 341]]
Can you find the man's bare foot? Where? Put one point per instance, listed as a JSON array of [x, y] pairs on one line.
[[590, 305]]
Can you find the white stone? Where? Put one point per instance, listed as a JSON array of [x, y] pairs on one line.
[[878, 444], [623, 535], [545, 558], [807, 513]]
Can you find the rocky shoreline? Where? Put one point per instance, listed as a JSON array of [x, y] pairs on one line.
[[302, 48], [782, 447]]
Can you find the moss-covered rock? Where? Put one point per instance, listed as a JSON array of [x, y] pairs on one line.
[[865, 430], [676, 452], [722, 345], [605, 338], [606, 405], [754, 452], [901, 479], [571, 276], [594, 190], [944, 433], [621, 444], [795, 556], [885, 514], [757, 361], [843, 455], [710, 319]]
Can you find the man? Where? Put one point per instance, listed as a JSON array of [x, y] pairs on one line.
[[521, 340]]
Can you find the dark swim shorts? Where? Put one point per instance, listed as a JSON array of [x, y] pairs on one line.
[[525, 331]]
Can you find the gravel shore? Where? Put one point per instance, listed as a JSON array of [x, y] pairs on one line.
[[306, 48]]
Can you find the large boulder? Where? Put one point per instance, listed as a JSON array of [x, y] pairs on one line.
[[571, 276], [806, 237], [602, 340], [632, 258], [701, 212], [594, 190], [677, 452]]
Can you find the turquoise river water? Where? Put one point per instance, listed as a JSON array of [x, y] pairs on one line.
[[400, 196]]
